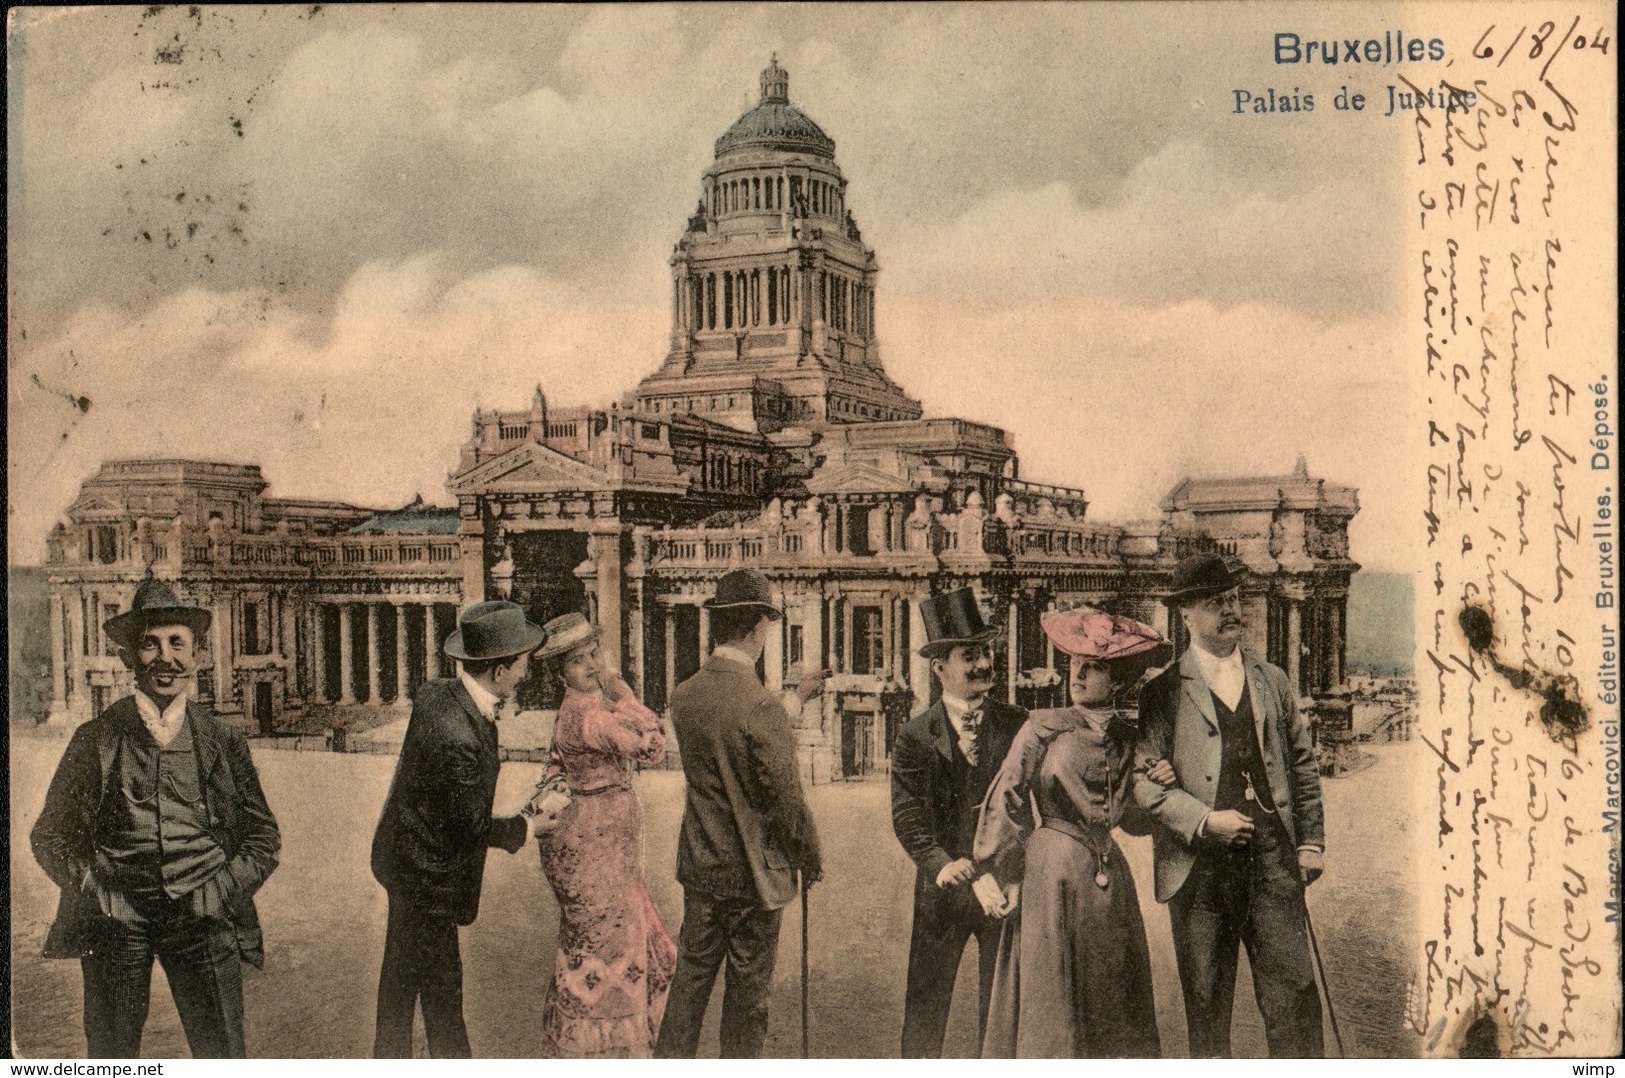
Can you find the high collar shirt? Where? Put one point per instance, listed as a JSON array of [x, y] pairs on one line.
[[1097, 718], [734, 655], [1225, 676], [484, 699], [965, 728], [162, 723], [489, 705]]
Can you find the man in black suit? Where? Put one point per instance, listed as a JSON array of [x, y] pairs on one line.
[[429, 849], [746, 829], [157, 831], [942, 763]]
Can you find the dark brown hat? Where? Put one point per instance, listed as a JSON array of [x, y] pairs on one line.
[[154, 604], [742, 588], [952, 619], [494, 630], [1202, 576]]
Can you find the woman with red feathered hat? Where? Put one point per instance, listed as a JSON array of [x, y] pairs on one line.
[[1074, 972]]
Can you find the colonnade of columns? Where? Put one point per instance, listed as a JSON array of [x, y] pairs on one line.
[[360, 626]]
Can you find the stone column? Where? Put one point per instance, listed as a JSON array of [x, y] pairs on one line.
[[318, 652], [221, 631], [373, 689], [919, 667], [1294, 644], [671, 651], [773, 656], [346, 654], [1013, 660], [636, 665], [705, 632], [604, 548], [74, 654], [433, 659], [59, 661], [401, 653], [285, 620]]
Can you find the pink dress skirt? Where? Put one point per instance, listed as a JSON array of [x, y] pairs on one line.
[[614, 959]]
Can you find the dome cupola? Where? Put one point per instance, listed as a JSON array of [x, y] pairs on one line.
[[775, 124]]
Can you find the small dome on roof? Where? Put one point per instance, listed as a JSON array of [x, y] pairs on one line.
[[774, 123]]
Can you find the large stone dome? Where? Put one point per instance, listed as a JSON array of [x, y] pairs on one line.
[[775, 124]]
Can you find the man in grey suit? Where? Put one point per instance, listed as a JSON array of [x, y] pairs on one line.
[[746, 829], [1242, 831]]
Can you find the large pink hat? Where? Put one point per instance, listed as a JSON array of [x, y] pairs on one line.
[[1096, 636]]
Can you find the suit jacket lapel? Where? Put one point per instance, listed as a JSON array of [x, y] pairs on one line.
[[484, 728], [1196, 687], [203, 740], [1255, 677], [944, 731]]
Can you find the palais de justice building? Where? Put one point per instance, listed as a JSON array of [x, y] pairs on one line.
[[769, 436]]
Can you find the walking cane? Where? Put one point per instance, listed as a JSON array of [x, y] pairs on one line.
[[805, 1012], [1320, 971]]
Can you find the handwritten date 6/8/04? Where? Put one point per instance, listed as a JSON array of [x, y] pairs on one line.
[[1540, 46]]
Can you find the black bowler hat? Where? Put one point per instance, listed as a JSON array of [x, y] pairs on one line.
[[154, 604], [742, 588], [952, 619], [494, 630], [1202, 576]]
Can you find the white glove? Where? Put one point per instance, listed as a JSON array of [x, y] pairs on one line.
[[990, 895]]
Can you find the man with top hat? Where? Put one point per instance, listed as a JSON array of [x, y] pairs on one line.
[[1242, 831], [746, 829], [429, 849], [157, 831], [942, 763]]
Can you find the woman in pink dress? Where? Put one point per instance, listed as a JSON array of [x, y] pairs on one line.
[[614, 959]]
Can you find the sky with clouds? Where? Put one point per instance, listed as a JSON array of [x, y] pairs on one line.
[[316, 238]]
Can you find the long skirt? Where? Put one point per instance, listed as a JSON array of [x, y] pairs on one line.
[[1074, 972], [614, 960]]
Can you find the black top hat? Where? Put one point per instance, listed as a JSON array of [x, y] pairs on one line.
[[741, 588], [951, 620], [1202, 576], [154, 604], [494, 630]]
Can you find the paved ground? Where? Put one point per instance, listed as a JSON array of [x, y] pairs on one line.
[[324, 922]]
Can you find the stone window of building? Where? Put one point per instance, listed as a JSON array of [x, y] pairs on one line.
[[711, 301], [756, 191], [107, 613], [868, 641], [797, 644], [104, 544], [256, 627]]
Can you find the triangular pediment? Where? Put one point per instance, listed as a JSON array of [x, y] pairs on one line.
[[530, 468], [96, 507], [857, 478]]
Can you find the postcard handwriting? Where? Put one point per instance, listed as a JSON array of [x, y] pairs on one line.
[[1514, 926]]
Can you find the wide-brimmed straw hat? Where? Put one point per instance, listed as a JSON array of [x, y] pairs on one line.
[[154, 604], [494, 630], [566, 633], [1091, 635], [1202, 576], [952, 619], [744, 588]]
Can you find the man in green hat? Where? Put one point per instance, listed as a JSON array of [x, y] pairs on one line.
[[157, 831]]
